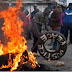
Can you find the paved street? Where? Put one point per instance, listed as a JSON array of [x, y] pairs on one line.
[[67, 59]]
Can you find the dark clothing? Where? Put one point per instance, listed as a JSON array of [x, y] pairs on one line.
[[68, 16], [34, 42], [62, 18], [35, 34], [71, 35], [34, 28], [38, 20], [62, 29], [67, 26], [33, 13], [56, 44], [55, 19], [62, 22], [22, 16], [55, 22]]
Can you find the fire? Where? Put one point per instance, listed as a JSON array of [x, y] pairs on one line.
[[17, 44]]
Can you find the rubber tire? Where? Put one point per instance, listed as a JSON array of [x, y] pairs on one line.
[[48, 54]]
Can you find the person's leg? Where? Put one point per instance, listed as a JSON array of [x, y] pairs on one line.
[[29, 34], [51, 43], [56, 43], [71, 34], [35, 41], [62, 29], [65, 31], [35, 32]]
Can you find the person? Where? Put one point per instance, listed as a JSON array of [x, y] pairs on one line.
[[59, 8], [68, 22], [54, 22], [35, 11], [28, 21], [62, 20], [22, 16], [39, 19]]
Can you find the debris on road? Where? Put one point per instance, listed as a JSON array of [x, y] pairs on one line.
[[59, 63]]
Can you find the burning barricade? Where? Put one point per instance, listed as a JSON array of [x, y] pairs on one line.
[[15, 51]]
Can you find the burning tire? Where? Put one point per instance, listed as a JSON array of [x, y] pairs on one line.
[[48, 54]]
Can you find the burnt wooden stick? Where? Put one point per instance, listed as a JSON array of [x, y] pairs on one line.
[[37, 43], [34, 46], [25, 66], [4, 58]]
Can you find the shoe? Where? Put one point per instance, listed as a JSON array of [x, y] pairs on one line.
[[53, 48], [69, 43], [51, 44], [36, 55]]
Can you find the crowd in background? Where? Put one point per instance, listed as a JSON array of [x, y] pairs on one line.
[[52, 19]]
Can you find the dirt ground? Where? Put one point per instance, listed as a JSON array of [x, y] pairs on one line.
[[67, 59]]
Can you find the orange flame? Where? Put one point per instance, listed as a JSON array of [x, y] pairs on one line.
[[12, 30]]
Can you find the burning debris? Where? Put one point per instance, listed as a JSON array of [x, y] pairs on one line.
[[15, 52]]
